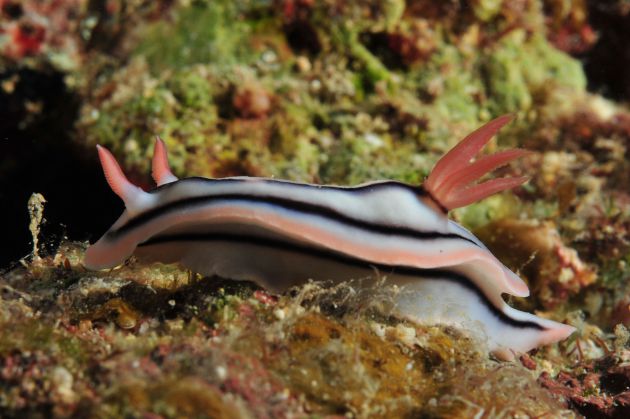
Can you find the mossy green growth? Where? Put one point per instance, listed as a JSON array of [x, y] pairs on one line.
[[614, 273], [519, 67], [318, 125], [485, 10], [205, 32], [37, 335], [557, 67], [293, 136], [34, 336], [191, 88], [495, 207], [373, 69], [450, 81], [178, 105]]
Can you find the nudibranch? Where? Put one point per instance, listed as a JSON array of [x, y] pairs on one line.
[[279, 234]]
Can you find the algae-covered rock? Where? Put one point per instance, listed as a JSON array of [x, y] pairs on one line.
[[553, 271], [520, 68], [422, 86], [151, 340]]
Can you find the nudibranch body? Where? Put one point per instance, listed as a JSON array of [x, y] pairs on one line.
[[279, 233]]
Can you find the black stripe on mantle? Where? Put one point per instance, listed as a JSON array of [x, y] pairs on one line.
[[289, 204]]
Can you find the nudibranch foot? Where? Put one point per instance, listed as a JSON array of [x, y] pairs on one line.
[[443, 298], [280, 234], [434, 296]]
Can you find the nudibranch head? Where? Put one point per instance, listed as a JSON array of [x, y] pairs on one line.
[[280, 233]]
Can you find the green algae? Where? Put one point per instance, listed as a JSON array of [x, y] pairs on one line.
[[521, 68], [204, 32], [312, 130], [485, 10], [374, 70], [449, 82]]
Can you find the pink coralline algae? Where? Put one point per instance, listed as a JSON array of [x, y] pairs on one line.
[[31, 28]]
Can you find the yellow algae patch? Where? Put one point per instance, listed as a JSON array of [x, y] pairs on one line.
[[348, 368]]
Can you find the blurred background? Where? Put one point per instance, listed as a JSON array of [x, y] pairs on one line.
[[321, 91]]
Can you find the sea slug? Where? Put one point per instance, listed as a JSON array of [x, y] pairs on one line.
[[279, 233]]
